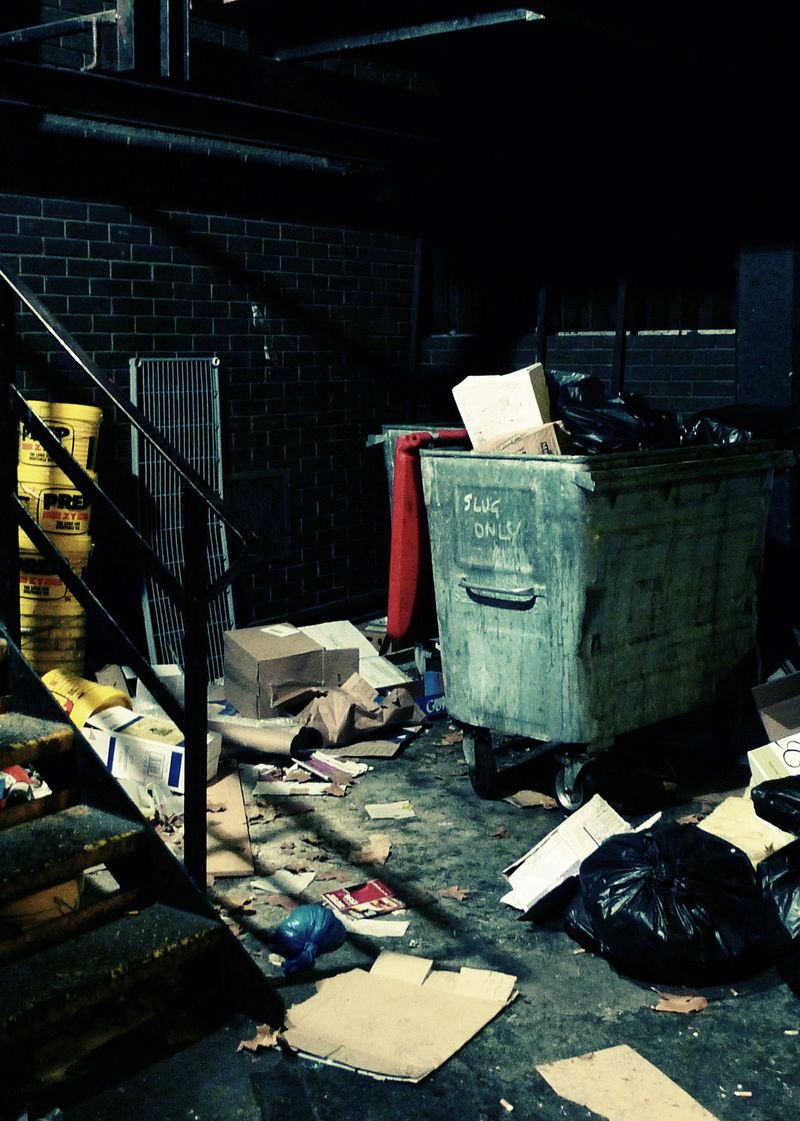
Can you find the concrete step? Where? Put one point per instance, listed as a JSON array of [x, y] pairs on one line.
[[26, 739], [52, 849], [48, 987]]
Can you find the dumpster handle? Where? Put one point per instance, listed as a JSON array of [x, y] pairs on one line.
[[516, 594]]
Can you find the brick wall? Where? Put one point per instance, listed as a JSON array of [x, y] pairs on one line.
[[680, 370], [311, 326]]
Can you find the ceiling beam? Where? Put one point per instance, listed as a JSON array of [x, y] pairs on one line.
[[401, 34]]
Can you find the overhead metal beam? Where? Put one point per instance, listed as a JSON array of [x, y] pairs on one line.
[[55, 28], [400, 34]]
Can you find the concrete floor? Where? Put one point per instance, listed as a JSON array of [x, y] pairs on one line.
[[570, 1002]]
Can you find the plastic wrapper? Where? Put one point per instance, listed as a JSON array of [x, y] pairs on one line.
[[779, 876], [675, 904], [310, 930], [778, 802]]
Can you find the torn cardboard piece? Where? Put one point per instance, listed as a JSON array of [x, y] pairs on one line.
[[736, 820], [559, 855], [494, 404], [227, 834], [621, 1085], [401, 1020], [547, 439], [396, 811], [353, 711]]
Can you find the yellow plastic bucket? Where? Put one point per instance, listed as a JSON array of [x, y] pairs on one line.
[[80, 698], [76, 426], [39, 582], [53, 500]]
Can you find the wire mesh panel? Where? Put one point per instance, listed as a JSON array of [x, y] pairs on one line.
[[180, 396]]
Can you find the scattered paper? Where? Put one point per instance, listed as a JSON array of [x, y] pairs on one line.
[[282, 880], [681, 1002], [500, 831], [398, 811], [401, 1020], [265, 1037], [368, 899], [376, 852], [282, 789], [621, 1085], [375, 928]]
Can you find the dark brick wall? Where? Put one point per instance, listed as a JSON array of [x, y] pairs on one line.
[[311, 326], [680, 370]]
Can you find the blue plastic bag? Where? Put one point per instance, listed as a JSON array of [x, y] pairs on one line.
[[310, 930]]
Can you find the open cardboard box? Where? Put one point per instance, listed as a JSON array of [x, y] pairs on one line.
[[778, 704]]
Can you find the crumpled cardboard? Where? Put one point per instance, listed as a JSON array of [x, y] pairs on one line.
[[348, 713]]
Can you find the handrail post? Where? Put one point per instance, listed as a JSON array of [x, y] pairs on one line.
[[9, 549], [195, 696]]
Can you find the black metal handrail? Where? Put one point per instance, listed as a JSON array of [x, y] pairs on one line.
[[192, 595]]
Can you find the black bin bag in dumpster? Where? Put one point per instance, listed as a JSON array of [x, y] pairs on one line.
[[778, 802], [779, 876], [674, 904]]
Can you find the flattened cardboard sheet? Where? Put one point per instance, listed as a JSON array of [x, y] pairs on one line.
[[621, 1085], [401, 1020]]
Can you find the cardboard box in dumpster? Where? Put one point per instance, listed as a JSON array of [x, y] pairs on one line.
[[262, 663], [144, 748], [558, 856], [547, 439], [494, 404]]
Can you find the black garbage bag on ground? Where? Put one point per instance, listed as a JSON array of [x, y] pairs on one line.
[[778, 802], [675, 904], [779, 876]]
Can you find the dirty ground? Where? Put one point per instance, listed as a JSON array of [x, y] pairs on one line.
[[737, 1057]]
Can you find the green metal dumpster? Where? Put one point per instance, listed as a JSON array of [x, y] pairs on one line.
[[580, 597]]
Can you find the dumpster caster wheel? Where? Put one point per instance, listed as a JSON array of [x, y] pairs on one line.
[[479, 754], [569, 787]]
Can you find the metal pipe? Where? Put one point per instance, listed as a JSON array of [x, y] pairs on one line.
[[402, 34], [60, 124], [55, 28]]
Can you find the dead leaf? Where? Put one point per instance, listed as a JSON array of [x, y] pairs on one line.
[[336, 791], [295, 866], [528, 798], [253, 817], [284, 901], [333, 874], [500, 831], [681, 1002], [216, 807], [265, 1037], [452, 738], [458, 893], [288, 846], [689, 819]]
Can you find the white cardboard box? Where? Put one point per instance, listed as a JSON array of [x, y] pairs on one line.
[[494, 404], [145, 749], [775, 760]]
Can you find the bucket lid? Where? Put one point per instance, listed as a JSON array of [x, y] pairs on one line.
[[62, 409]]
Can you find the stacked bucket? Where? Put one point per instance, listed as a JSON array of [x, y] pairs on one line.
[[52, 621]]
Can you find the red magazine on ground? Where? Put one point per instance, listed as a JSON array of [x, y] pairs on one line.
[[365, 900]]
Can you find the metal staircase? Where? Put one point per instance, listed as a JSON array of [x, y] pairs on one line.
[[100, 962]]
